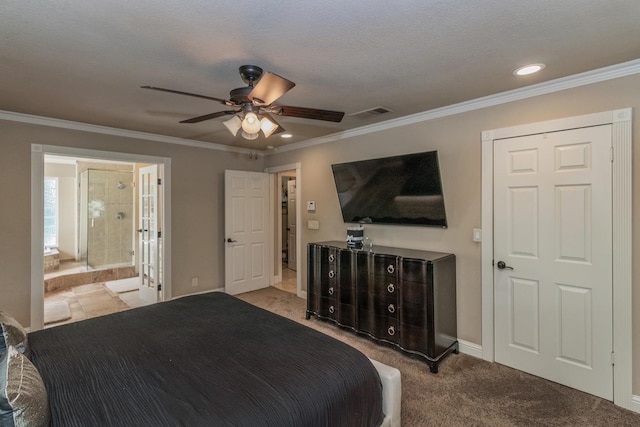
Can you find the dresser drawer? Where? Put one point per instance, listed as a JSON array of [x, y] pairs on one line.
[[328, 307], [417, 339], [379, 326], [416, 315], [328, 256], [377, 305], [387, 328], [415, 293], [415, 270], [385, 265]]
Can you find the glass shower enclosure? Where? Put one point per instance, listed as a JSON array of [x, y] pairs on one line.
[[107, 219]]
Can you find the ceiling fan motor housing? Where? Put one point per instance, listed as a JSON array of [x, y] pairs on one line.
[[240, 95], [250, 73]]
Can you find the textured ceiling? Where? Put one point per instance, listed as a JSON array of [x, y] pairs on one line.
[[85, 60]]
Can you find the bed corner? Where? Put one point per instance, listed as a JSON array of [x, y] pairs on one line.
[[391, 393]]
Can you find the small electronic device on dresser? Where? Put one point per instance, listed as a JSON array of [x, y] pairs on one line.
[[401, 297]]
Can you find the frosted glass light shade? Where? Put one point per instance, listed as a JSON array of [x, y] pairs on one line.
[[268, 127], [249, 136], [251, 123], [233, 125]]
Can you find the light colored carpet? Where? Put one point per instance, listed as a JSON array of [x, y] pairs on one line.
[[123, 285], [132, 299], [56, 311]]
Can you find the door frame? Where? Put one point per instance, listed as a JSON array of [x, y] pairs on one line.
[[38, 152], [276, 212], [144, 291], [621, 121]]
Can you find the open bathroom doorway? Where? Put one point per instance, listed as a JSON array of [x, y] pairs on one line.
[[97, 233]]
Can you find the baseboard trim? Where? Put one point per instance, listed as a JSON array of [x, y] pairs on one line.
[[470, 348], [635, 404]]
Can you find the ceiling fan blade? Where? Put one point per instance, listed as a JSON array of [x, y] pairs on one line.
[[222, 101], [308, 113], [269, 88], [209, 116]]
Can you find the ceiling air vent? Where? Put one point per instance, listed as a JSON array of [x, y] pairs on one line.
[[371, 112]]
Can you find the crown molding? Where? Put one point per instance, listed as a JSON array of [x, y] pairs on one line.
[[86, 127], [582, 79]]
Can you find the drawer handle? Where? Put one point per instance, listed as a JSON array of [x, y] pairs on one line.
[[331, 290], [332, 274], [391, 269], [391, 288], [332, 258], [391, 331], [391, 308], [331, 309]]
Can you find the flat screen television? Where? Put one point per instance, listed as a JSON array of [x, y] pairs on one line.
[[404, 189]]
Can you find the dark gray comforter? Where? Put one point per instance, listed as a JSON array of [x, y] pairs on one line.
[[205, 360]]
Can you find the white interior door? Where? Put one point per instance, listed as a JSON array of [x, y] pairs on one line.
[[291, 224], [148, 252], [553, 257], [246, 231]]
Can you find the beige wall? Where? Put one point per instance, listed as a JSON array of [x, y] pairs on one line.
[[457, 139], [197, 200]]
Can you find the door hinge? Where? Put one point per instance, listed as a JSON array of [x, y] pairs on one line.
[[159, 181], [611, 151], [159, 287], [613, 358]]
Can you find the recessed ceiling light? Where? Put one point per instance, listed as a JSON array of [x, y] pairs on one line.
[[286, 135], [528, 69]]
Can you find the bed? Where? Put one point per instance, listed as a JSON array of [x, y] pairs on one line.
[[208, 359]]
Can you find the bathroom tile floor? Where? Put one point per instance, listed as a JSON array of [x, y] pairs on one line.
[[87, 301], [289, 282]]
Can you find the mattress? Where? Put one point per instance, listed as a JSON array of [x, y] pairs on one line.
[[203, 360]]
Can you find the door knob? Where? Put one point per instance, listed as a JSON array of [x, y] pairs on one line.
[[230, 240], [502, 266]]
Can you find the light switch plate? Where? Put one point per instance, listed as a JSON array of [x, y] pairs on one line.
[[313, 225], [477, 235]]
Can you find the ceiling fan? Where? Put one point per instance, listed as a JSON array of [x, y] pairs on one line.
[[254, 105]]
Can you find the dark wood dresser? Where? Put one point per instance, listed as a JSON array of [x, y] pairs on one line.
[[402, 297]]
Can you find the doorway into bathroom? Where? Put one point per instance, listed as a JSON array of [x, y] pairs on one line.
[[99, 252], [89, 237]]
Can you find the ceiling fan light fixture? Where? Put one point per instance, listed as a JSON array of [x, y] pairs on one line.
[[268, 127], [251, 123], [249, 136], [233, 125]]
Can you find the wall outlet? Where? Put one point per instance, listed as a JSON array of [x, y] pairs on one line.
[[194, 281], [313, 225]]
